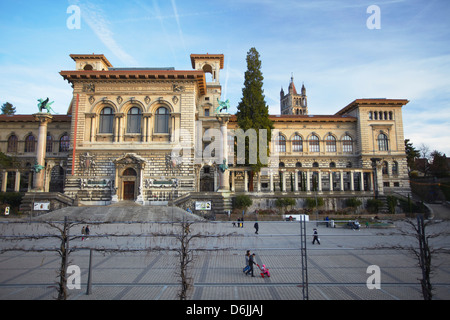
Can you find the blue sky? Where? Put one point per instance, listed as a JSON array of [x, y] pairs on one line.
[[325, 44]]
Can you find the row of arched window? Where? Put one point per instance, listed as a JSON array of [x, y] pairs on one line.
[[31, 142], [134, 120], [313, 143], [381, 115]]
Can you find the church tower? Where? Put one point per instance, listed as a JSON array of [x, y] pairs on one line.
[[294, 103]]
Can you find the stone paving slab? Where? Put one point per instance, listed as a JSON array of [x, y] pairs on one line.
[[337, 269]]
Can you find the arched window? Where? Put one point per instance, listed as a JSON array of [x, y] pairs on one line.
[[332, 164], [134, 120], [130, 172], [384, 168], [395, 168], [64, 143], [331, 143], [297, 144], [162, 120], [298, 165], [314, 144], [315, 165], [49, 147], [106, 120], [280, 143], [347, 144], [30, 143], [12, 143], [383, 143]]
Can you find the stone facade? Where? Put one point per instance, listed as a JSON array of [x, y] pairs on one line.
[[156, 135]]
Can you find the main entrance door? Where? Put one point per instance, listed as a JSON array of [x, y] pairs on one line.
[[128, 190]]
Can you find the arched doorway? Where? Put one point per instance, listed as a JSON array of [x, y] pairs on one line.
[[129, 178]]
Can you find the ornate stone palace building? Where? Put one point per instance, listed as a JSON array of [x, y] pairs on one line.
[[153, 135]]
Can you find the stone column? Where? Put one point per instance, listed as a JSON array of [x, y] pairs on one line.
[[283, 181], [352, 182], [296, 180], [271, 181], [331, 181], [361, 182], [258, 187], [341, 178], [44, 119], [233, 181], [223, 155], [92, 117], [308, 181], [319, 185], [246, 181], [4, 180], [378, 175]]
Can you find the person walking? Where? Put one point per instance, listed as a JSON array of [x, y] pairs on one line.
[[315, 236], [247, 267], [83, 232], [87, 231], [256, 227], [251, 262]]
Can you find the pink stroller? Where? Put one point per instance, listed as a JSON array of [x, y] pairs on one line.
[[264, 270]]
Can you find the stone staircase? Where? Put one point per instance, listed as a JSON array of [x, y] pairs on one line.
[[126, 211], [384, 208]]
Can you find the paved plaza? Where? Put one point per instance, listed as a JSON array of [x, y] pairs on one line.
[[337, 269]]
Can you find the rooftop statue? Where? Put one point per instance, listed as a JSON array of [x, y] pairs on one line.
[[45, 104], [223, 105], [37, 167]]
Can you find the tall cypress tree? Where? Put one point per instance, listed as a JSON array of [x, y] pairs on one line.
[[253, 112]]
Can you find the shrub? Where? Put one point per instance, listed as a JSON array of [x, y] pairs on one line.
[[373, 205], [392, 203], [242, 201], [282, 203], [353, 202], [311, 202]]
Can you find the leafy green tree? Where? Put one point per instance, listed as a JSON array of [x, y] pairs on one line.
[[6, 162], [242, 201], [439, 167], [253, 112], [411, 154], [283, 203], [8, 108]]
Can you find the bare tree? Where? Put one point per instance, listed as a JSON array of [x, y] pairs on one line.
[[421, 249], [184, 236]]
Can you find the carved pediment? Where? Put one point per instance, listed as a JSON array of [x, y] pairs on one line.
[[130, 158]]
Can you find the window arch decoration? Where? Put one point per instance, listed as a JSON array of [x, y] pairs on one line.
[[330, 142], [134, 119], [13, 142], [30, 143], [395, 168], [297, 143], [280, 143], [106, 119], [383, 142], [64, 143], [347, 144], [384, 168], [314, 143], [49, 144], [162, 116]]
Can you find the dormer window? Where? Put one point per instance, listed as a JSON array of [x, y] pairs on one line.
[[88, 67]]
